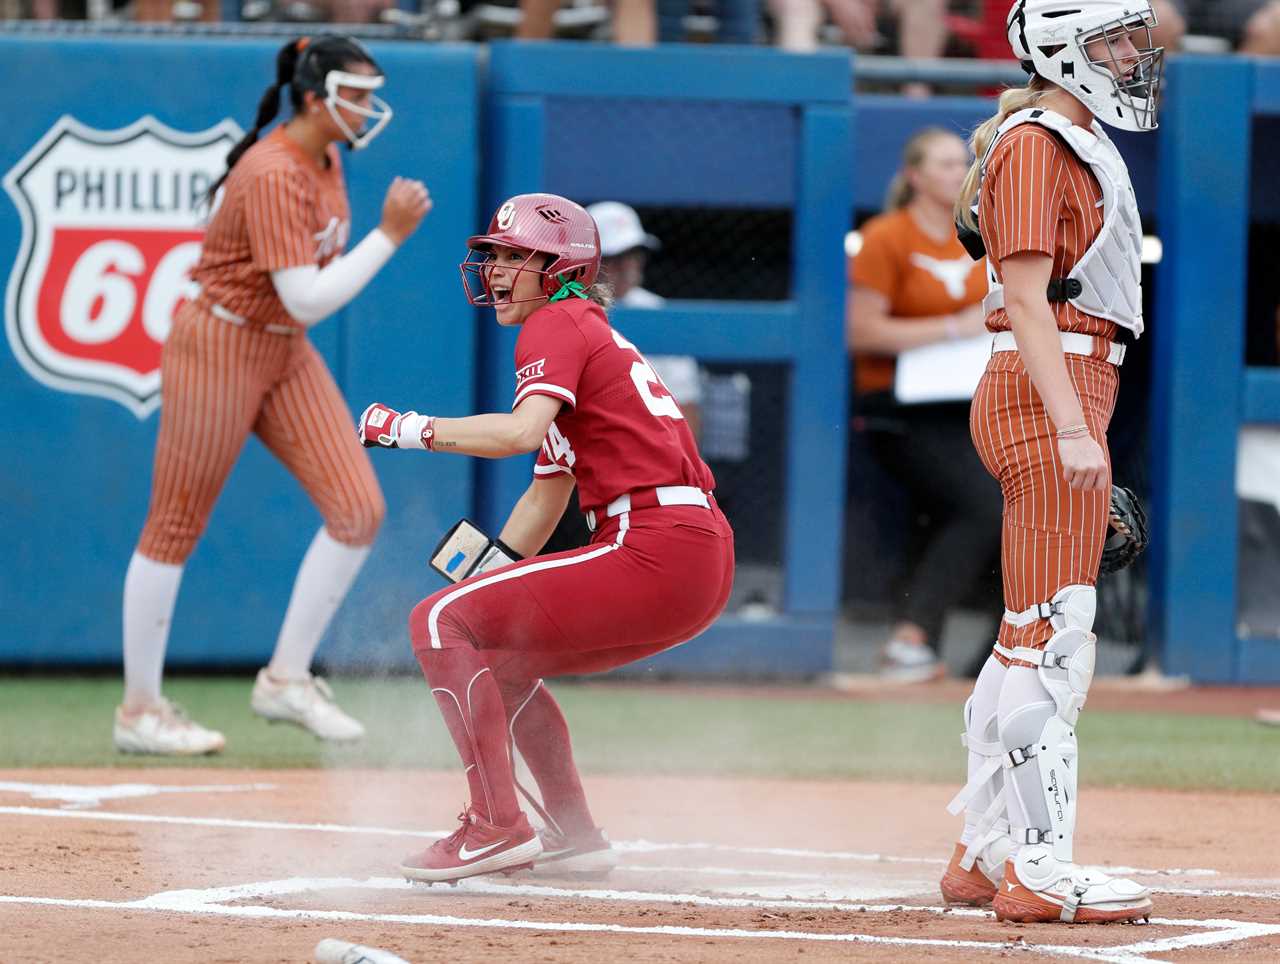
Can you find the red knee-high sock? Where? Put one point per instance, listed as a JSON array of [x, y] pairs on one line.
[[472, 709], [542, 737]]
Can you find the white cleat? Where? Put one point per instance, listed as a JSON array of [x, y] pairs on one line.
[[590, 855], [904, 662], [164, 730], [306, 702]]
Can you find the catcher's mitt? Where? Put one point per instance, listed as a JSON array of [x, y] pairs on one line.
[[1129, 531]]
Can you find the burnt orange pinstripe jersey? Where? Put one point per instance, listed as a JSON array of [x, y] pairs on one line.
[[1037, 195], [279, 209]]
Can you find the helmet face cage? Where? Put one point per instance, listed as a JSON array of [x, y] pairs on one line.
[[379, 113], [1049, 38], [338, 51], [1137, 87], [478, 268], [553, 227]]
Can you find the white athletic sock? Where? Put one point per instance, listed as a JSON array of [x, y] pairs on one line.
[[326, 573], [150, 591], [982, 725]]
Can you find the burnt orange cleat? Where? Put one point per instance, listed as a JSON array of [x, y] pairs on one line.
[[1038, 889], [970, 887]]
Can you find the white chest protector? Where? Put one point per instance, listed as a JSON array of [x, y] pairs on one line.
[[1110, 271]]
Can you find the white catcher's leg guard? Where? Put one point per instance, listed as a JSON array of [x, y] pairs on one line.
[[1039, 737], [986, 824], [1038, 713], [1038, 717]]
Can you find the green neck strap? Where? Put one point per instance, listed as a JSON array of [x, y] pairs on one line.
[[568, 289]]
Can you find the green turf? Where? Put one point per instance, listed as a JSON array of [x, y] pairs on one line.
[[66, 722]]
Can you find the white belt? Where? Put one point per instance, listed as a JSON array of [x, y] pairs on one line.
[[649, 498], [1073, 343], [222, 313]]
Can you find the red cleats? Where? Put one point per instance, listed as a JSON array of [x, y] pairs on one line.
[[477, 847], [589, 855]]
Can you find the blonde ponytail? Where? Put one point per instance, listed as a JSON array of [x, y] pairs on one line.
[[900, 192], [1011, 101]]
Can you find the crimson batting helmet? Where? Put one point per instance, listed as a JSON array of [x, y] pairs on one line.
[[541, 224]]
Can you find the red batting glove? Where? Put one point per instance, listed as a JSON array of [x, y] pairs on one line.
[[384, 427]]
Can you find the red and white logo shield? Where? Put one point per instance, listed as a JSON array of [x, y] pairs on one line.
[[111, 228]]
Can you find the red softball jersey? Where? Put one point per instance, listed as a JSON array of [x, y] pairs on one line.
[[620, 429]]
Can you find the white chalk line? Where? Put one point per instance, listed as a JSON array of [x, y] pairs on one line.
[[1195, 892], [1226, 931], [224, 822], [442, 920], [483, 886], [818, 877], [78, 795], [492, 887], [622, 846]]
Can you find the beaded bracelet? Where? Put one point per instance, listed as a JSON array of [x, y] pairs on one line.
[[1073, 431]]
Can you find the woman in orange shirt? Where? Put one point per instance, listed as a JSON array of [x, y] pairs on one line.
[[912, 284]]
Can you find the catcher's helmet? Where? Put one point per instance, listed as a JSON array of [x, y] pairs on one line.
[[542, 224], [1050, 37]]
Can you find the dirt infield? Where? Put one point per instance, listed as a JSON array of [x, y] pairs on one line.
[[200, 865]]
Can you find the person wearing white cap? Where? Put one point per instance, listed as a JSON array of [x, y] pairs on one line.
[[624, 253]]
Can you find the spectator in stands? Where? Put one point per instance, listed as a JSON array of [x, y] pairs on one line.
[[912, 284], [738, 20], [624, 253], [635, 22], [1249, 26], [921, 26]]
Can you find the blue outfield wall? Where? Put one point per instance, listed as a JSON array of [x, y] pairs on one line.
[[77, 467], [672, 126]]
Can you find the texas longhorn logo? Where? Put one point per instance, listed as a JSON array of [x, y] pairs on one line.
[[111, 228]]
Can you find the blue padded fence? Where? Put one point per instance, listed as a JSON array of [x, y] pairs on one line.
[[668, 127], [77, 467]]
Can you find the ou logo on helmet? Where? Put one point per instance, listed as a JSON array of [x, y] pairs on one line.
[[111, 228], [506, 215]]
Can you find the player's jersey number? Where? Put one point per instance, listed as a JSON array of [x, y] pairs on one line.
[[645, 378], [557, 446]]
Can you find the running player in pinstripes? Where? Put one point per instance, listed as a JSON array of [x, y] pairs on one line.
[[1051, 198], [238, 361]]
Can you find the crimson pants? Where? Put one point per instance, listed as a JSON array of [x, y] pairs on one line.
[[649, 579]]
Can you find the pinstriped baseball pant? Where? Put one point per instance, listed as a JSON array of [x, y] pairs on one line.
[[219, 382], [1052, 535]]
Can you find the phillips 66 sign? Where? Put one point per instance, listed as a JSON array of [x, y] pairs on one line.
[[111, 228]]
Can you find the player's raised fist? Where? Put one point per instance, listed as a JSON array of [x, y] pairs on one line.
[[406, 204], [380, 427]]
